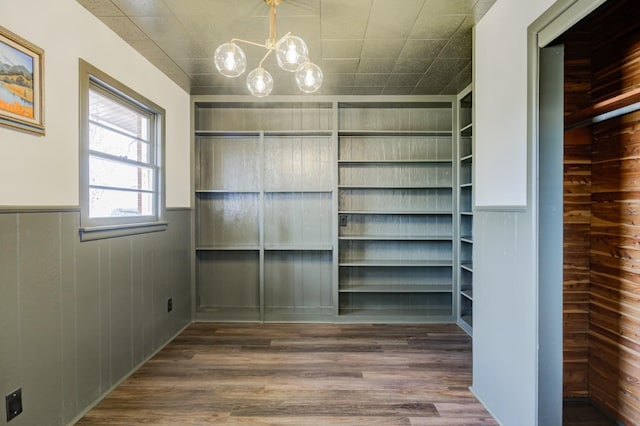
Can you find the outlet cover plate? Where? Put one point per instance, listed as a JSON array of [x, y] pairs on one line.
[[170, 304], [13, 402]]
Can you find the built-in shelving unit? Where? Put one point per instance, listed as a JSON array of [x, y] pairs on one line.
[[395, 186], [337, 210], [465, 208], [264, 206]]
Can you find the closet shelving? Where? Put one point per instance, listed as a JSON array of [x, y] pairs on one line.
[[263, 201], [465, 207], [326, 210], [395, 211]]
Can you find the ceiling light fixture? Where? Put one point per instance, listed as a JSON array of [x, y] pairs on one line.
[[291, 52]]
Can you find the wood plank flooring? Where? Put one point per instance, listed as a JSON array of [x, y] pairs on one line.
[[302, 374]]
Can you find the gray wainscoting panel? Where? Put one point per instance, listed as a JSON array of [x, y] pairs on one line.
[[77, 317]]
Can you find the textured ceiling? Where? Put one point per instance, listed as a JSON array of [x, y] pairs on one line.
[[364, 47]]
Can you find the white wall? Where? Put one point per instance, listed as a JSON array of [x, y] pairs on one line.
[[43, 171], [505, 283]]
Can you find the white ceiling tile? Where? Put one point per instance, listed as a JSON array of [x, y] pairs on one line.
[[403, 80], [142, 7], [376, 65], [425, 49], [339, 66], [345, 19], [125, 28], [341, 49], [387, 48], [372, 91], [429, 26], [371, 80], [101, 8], [392, 19], [411, 65]]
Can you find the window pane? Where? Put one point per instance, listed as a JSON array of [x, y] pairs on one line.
[[114, 174], [109, 142], [109, 203], [112, 114]]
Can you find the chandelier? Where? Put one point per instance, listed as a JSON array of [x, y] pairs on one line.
[[291, 53]]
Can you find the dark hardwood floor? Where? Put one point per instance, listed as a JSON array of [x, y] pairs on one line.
[[302, 374]]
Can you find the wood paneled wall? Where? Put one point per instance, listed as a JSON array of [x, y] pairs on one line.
[[77, 317], [607, 45], [614, 362]]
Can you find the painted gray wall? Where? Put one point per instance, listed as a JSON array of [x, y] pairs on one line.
[[78, 317]]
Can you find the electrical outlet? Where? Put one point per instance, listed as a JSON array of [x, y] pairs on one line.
[[14, 404], [343, 220], [170, 304]]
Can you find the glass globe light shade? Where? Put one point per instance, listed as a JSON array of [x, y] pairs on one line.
[[309, 78], [291, 53], [259, 82], [230, 60]]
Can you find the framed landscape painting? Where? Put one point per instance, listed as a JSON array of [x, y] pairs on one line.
[[21, 84]]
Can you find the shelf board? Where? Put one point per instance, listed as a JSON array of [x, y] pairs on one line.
[[395, 161], [234, 314], [465, 322], [430, 314], [468, 266], [227, 191], [466, 185], [466, 127], [299, 190], [466, 239], [395, 133], [269, 133], [298, 247], [392, 212], [370, 186], [466, 213], [227, 133], [398, 288], [299, 314], [229, 248], [466, 158], [397, 263], [467, 293], [395, 238]]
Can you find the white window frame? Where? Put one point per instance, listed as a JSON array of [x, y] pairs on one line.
[[108, 227]]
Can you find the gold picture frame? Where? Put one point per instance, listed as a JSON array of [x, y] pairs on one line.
[[21, 84]]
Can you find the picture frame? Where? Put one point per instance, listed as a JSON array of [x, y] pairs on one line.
[[21, 84]]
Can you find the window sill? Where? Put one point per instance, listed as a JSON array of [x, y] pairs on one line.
[[91, 233]]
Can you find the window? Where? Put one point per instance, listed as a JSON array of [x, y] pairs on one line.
[[121, 159]]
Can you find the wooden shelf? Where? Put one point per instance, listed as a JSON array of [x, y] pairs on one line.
[[391, 212], [609, 108], [467, 266], [431, 314], [394, 187], [467, 293], [227, 191], [395, 238], [298, 247], [466, 239], [397, 263], [466, 158], [229, 247], [395, 133], [298, 190], [323, 133], [466, 128], [227, 133], [466, 185], [397, 288], [466, 213], [394, 161]]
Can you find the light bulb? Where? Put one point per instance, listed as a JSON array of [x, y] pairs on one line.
[[309, 78], [259, 82], [230, 60], [292, 56], [291, 53]]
